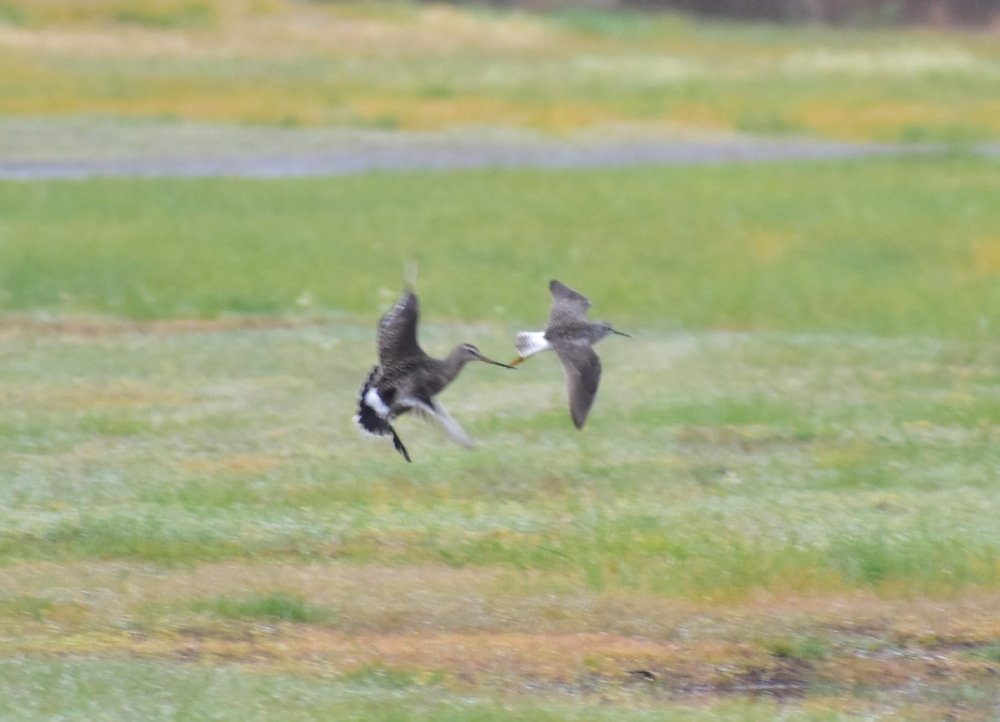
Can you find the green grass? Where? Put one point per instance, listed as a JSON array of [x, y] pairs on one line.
[[151, 13], [24, 606], [183, 14], [94, 689], [274, 606], [887, 247], [686, 484], [787, 487], [717, 469], [805, 417]]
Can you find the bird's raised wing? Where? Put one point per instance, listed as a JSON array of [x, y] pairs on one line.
[[567, 304], [583, 375], [397, 331]]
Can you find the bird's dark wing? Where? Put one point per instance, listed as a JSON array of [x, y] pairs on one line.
[[583, 374], [397, 331], [567, 304]]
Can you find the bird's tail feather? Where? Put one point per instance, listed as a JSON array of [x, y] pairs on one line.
[[373, 415], [528, 343]]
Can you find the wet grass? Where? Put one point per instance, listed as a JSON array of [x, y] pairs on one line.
[[404, 66]]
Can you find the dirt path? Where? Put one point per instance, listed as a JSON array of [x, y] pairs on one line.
[[73, 148]]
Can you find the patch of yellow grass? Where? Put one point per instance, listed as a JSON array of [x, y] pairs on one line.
[[699, 115], [849, 456], [264, 104], [986, 256], [433, 113], [274, 30], [193, 101], [852, 121], [768, 246]]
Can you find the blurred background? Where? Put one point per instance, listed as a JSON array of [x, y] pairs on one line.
[[937, 12]]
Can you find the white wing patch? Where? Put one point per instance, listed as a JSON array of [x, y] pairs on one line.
[[374, 402], [528, 343]]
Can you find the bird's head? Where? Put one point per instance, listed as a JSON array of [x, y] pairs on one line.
[[468, 352], [608, 329]]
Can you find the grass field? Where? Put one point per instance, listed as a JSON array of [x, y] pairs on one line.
[[898, 246], [785, 502], [783, 506], [745, 515], [396, 65]]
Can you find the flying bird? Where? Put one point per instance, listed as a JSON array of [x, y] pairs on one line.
[[571, 336], [407, 379]]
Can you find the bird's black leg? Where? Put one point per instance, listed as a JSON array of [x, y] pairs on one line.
[[399, 445]]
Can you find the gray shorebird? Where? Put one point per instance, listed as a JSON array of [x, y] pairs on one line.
[[407, 379], [571, 336]]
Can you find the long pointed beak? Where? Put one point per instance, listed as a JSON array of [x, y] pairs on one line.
[[517, 361], [495, 363], [621, 333]]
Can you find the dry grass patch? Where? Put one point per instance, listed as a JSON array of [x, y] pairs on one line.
[[82, 42], [425, 114], [401, 65], [516, 662], [411, 599], [483, 630], [883, 119], [279, 30]]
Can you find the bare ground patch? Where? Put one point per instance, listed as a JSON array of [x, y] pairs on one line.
[[491, 630]]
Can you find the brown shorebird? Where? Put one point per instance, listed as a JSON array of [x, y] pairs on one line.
[[571, 336], [407, 379]]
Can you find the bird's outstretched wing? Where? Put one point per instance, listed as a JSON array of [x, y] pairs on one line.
[[433, 411], [583, 375], [397, 331], [567, 304]]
